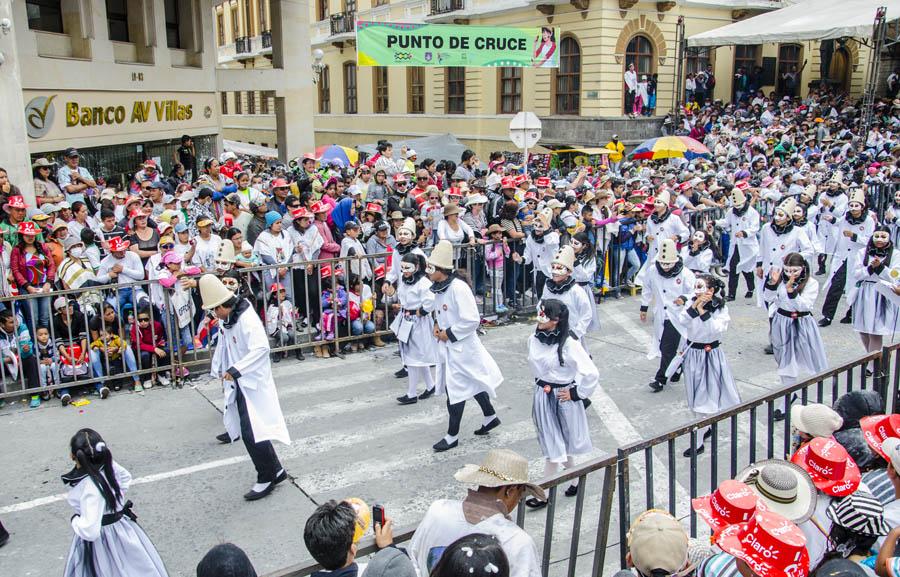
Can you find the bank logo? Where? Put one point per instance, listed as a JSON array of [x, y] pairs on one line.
[[39, 115]]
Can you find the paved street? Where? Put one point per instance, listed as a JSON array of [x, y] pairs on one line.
[[350, 439]]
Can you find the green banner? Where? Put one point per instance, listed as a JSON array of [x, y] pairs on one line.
[[399, 44]]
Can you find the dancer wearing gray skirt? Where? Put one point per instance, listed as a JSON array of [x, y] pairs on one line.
[[874, 315], [791, 294], [708, 383], [108, 541], [565, 377]]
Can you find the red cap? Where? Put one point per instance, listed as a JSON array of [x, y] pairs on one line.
[[326, 271], [454, 191], [684, 185], [530, 195], [507, 182], [878, 428], [16, 202], [373, 207], [280, 183], [276, 287], [742, 184], [769, 544], [543, 182], [301, 212], [118, 244], [400, 178], [520, 179], [150, 162], [28, 228], [829, 465], [319, 206], [732, 502]]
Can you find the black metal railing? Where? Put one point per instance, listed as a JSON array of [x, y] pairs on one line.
[[267, 39], [243, 45], [343, 23], [446, 6]]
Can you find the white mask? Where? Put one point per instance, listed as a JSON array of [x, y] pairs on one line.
[[781, 216], [542, 316], [793, 271], [407, 268], [430, 269], [77, 251], [404, 234], [559, 270], [700, 288], [698, 237], [855, 206], [881, 238], [667, 265]]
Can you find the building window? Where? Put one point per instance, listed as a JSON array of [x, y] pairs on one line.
[[696, 60], [789, 64], [380, 76], [568, 77], [349, 6], [640, 53], [220, 27], [117, 20], [746, 56], [263, 20], [456, 89], [264, 96], [382, 2], [349, 88], [322, 9], [235, 23], [224, 103], [510, 90], [173, 37], [251, 102], [44, 15], [325, 90], [415, 90], [237, 103]]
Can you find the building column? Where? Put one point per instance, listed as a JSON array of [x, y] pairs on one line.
[[14, 156], [293, 101]]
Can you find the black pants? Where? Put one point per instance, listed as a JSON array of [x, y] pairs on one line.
[[540, 279], [307, 292], [833, 296], [456, 411], [733, 277], [146, 360], [668, 347], [262, 454]]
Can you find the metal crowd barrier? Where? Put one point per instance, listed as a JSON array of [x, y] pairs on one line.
[[740, 437]]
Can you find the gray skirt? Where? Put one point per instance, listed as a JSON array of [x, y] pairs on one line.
[[798, 346], [708, 383], [122, 549], [421, 350], [562, 426], [873, 314]]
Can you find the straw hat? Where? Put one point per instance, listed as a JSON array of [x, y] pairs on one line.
[[829, 465], [565, 256], [500, 468], [788, 205], [450, 210], [782, 487], [213, 292], [857, 195], [815, 419], [768, 543], [879, 428], [553, 203], [732, 502], [668, 252], [442, 255]]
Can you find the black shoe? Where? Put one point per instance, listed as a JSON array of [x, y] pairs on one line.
[[730, 298], [748, 294], [407, 400], [276, 357], [225, 439], [257, 495], [869, 372], [402, 373], [846, 320], [427, 394], [689, 453], [655, 386], [280, 477], [443, 445], [571, 491], [65, 399], [778, 415], [824, 322], [298, 354], [821, 271], [485, 429], [769, 349], [104, 392], [4, 536], [676, 377], [533, 503], [117, 387]]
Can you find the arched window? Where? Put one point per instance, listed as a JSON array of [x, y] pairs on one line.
[[349, 88], [640, 53], [568, 77]]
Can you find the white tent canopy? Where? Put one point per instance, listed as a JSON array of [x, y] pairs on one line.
[[808, 20], [247, 149]]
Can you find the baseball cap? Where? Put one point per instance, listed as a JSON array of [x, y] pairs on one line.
[[181, 227], [657, 541], [70, 152], [61, 302]]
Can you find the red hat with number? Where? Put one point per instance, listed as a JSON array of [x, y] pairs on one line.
[[319, 206], [731, 503], [28, 228], [829, 465], [507, 182], [15, 202], [520, 179], [118, 244], [769, 544], [373, 207], [742, 184], [379, 272], [276, 287], [301, 212], [455, 191], [877, 429], [280, 183], [543, 182], [530, 195]]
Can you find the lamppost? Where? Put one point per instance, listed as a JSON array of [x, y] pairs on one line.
[[317, 66]]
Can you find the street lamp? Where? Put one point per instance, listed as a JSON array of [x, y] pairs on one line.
[[317, 66]]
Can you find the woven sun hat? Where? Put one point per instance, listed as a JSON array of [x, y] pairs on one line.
[[815, 419], [213, 292], [500, 468], [782, 487], [442, 256], [861, 513]]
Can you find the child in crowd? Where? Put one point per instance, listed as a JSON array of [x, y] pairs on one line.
[[246, 255], [361, 308], [280, 318], [110, 346], [18, 362], [334, 307], [179, 304], [48, 361], [91, 250], [148, 339], [495, 252]]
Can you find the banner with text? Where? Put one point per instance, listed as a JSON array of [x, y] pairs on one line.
[[399, 44]]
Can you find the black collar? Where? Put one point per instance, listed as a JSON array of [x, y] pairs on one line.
[[236, 313], [741, 211], [559, 288], [548, 337], [74, 476], [671, 273], [780, 230], [703, 247], [441, 287], [656, 218], [414, 278], [538, 238], [857, 220], [403, 249]]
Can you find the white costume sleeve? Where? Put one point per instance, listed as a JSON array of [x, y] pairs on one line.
[[253, 334], [468, 319], [89, 521]]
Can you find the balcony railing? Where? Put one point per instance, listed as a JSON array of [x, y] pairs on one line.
[[242, 45], [267, 39], [343, 23], [446, 6]]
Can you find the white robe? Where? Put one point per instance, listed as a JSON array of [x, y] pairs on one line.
[[581, 308], [748, 245], [848, 248], [467, 368], [584, 274], [698, 263], [421, 349], [828, 230], [663, 292], [245, 348], [774, 247], [671, 226], [541, 254]]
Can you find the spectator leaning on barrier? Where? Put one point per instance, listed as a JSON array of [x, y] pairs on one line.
[[657, 546]]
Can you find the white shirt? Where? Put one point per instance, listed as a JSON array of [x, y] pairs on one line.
[[205, 251]]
